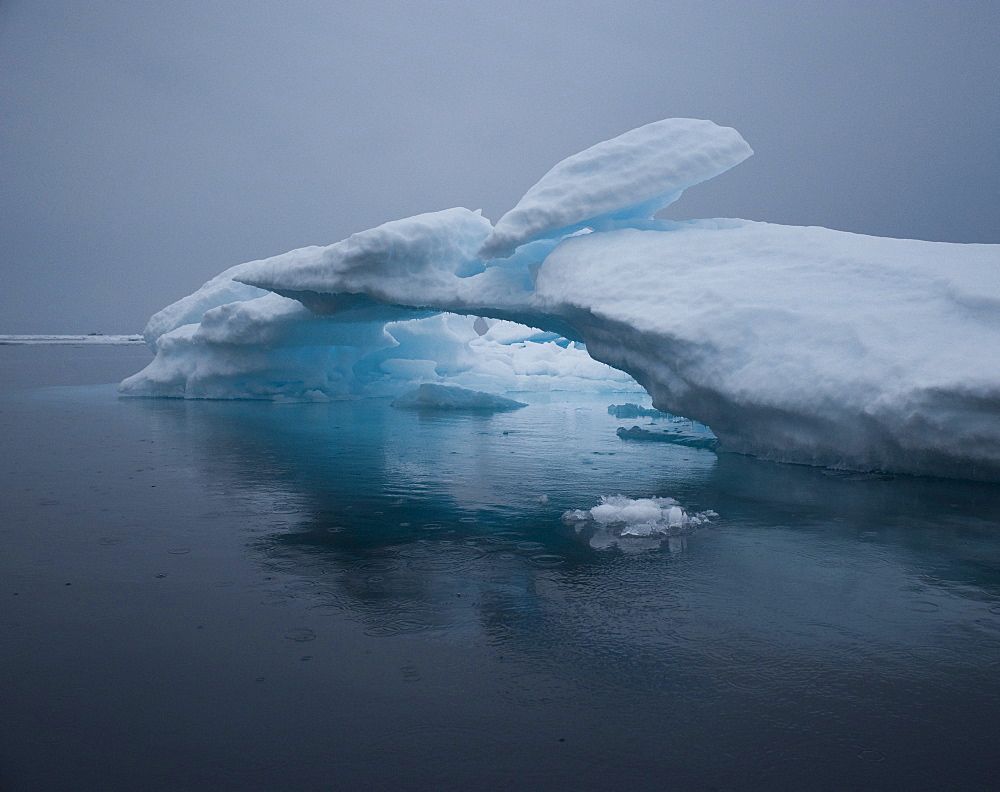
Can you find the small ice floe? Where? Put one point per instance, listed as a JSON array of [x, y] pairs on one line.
[[450, 397], [629, 410], [678, 435], [634, 524]]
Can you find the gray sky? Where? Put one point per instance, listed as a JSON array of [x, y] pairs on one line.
[[146, 146]]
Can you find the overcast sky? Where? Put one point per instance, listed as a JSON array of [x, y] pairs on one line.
[[146, 146]]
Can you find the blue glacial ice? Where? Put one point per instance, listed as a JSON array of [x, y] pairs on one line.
[[794, 344], [430, 396]]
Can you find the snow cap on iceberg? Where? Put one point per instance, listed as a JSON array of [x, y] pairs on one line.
[[421, 252], [220, 290], [632, 175]]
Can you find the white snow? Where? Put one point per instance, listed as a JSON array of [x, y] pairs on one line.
[[800, 344], [418, 254], [796, 344], [218, 291], [633, 175], [450, 397], [618, 518]]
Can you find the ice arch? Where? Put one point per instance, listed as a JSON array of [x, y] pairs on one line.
[[796, 344]]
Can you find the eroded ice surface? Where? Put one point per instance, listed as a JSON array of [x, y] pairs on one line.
[[796, 344], [450, 397]]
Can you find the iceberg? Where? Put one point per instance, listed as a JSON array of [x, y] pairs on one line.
[[794, 344]]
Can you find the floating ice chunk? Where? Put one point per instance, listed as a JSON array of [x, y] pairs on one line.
[[677, 435], [632, 175], [645, 518], [449, 397], [629, 410]]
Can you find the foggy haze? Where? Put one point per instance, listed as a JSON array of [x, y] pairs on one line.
[[145, 147]]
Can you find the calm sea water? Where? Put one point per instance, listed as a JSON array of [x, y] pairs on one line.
[[210, 595]]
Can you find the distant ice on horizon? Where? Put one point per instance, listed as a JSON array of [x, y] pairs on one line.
[[93, 338]]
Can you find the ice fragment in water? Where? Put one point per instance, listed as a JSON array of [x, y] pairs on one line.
[[617, 517], [449, 397]]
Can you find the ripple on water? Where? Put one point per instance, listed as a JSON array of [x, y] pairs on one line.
[[330, 608], [374, 565], [301, 585], [419, 749], [276, 598], [547, 560], [802, 767], [502, 538], [300, 635], [11, 648], [398, 625], [923, 606], [930, 657], [442, 558]]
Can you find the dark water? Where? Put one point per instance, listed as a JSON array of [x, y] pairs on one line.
[[346, 596]]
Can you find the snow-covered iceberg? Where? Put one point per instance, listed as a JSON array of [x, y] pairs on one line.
[[796, 344]]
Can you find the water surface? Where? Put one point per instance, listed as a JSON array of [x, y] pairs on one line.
[[212, 595]]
